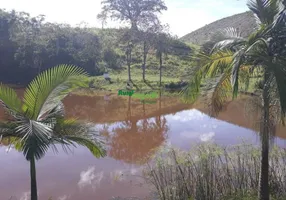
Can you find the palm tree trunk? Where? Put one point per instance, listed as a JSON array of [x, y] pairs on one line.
[[160, 100], [159, 116], [144, 59], [265, 137], [129, 73], [134, 26], [34, 195], [129, 63], [161, 62], [145, 122]]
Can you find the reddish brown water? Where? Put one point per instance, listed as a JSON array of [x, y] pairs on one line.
[[133, 132]]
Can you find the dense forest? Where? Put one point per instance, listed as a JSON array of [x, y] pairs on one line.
[[29, 45]]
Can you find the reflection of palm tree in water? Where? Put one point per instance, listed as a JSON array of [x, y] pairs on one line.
[[158, 117], [129, 121], [145, 120], [133, 142]]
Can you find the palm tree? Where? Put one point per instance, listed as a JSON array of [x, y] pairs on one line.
[[129, 39], [162, 47], [148, 37], [236, 59], [146, 47], [164, 44], [37, 122]]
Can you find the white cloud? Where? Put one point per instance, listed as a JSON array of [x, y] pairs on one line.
[[187, 116], [183, 20], [204, 137], [90, 177], [207, 136], [214, 126], [65, 197], [133, 171], [25, 196]]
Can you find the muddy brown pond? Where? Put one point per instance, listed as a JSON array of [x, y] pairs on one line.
[[133, 132]]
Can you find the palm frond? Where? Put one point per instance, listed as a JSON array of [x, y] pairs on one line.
[[9, 140], [232, 32], [218, 62], [230, 44], [46, 91], [7, 129], [232, 40], [31, 148], [255, 50], [54, 114], [280, 18], [278, 68], [211, 66], [95, 148], [264, 10], [246, 71], [191, 92], [220, 92], [70, 132], [10, 101], [35, 138], [253, 108], [236, 64], [262, 32]]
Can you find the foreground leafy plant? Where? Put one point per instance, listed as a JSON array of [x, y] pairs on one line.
[[37, 123], [234, 60]]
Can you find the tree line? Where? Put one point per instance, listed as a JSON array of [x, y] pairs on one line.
[[29, 45]]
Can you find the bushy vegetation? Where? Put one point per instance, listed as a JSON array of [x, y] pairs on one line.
[[29, 45], [213, 172]]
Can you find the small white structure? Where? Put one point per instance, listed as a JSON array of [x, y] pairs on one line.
[[106, 75]]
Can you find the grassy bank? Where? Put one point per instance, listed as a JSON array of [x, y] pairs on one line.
[[119, 80], [215, 173]]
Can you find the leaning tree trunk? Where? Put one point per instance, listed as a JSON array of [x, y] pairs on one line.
[[34, 194], [265, 140], [144, 60], [161, 63]]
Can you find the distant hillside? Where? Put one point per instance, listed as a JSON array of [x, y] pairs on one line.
[[245, 22]]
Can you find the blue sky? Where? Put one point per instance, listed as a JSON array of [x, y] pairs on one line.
[[183, 16]]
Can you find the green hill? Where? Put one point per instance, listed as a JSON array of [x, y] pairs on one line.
[[244, 22]]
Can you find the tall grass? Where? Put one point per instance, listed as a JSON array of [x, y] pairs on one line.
[[211, 172]]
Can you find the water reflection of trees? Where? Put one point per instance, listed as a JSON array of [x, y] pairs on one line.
[[134, 141], [92, 108], [99, 109]]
